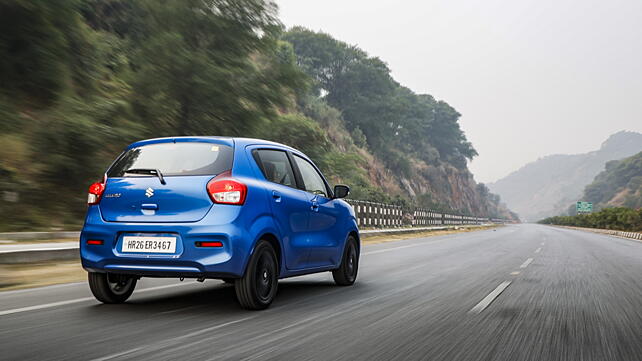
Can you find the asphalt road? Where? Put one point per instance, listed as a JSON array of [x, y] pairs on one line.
[[577, 296]]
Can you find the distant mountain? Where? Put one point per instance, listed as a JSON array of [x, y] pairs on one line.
[[619, 185], [549, 185]]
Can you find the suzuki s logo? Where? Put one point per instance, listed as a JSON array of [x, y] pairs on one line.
[[149, 192]]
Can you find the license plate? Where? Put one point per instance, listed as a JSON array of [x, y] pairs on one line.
[[149, 244]]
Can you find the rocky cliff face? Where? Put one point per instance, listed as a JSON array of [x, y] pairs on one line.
[[441, 187], [547, 186]]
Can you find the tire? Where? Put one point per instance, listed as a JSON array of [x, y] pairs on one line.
[[111, 288], [257, 288], [346, 274]]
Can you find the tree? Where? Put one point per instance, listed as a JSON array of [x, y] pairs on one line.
[[397, 123], [211, 67]]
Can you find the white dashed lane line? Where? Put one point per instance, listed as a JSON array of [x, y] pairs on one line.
[[78, 300], [490, 298], [526, 263], [502, 286]]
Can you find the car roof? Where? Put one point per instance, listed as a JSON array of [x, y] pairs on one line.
[[231, 141]]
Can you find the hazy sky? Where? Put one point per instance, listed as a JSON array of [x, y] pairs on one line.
[[531, 77]]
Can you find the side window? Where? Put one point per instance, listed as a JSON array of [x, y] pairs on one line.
[[313, 181], [276, 167]]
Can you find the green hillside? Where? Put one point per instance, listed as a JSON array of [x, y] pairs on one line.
[[620, 184], [616, 194], [80, 79], [547, 186]]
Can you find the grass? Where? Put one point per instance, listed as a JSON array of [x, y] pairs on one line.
[[401, 236], [28, 275], [33, 241]]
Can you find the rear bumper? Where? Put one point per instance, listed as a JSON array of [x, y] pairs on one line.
[[187, 261]]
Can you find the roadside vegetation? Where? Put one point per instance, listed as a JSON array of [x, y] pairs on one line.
[[616, 194], [620, 218], [620, 184], [80, 79]]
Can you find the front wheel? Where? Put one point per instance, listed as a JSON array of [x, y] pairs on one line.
[[257, 288], [111, 288], [346, 274]]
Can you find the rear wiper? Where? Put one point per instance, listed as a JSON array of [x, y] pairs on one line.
[[152, 171]]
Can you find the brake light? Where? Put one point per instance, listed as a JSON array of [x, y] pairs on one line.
[[95, 193], [224, 190]]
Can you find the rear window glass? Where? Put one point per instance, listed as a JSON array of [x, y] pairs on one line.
[[175, 159]]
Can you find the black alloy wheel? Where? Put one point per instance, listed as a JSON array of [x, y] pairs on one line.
[[346, 274], [257, 288], [111, 288]]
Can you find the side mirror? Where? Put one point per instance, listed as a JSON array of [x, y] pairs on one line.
[[341, 191]]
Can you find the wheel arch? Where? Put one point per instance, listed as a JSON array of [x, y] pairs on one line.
[[276, 244], [354, 233], [274, 241], [356, 236]]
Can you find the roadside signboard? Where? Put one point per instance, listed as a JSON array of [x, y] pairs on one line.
[[584, 207]]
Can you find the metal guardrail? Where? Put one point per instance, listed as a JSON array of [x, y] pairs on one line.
[[611, 232], [373, 214]]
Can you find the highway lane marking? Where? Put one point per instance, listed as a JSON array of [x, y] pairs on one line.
[[41, 288], [112, 356], [541, 244], [392, 249], [180, 309], [39, 249], [526, 263], [174, 340], [78, 300], [84, 299], [490, 298], [515, 273], [538, 250], [420, 243]]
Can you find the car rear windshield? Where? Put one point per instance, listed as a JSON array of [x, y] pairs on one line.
[[174, 159]]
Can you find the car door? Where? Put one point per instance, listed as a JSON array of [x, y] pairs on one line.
[[290, 206], [324, 232]]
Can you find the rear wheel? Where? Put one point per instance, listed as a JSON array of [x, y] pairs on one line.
[[257, 288], [111, 288], [346, 274]]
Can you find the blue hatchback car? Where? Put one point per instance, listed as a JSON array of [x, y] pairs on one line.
[[246, 211]]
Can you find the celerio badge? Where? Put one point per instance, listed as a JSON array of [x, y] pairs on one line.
[[149, 192]]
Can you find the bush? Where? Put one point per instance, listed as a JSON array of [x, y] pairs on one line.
[[620, 218]]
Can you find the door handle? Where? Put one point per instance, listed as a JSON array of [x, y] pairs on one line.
[[315, 203], [276, 196]]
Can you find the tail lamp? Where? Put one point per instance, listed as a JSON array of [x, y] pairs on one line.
[[96, 191], [223, 189]]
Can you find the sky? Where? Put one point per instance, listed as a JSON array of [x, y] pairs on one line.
[[530, 77]]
